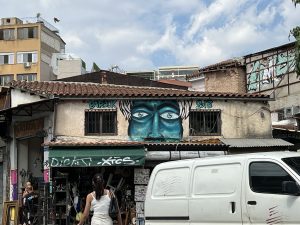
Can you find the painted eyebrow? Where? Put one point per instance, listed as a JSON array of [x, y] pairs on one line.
[[142, 105], [173, 105]]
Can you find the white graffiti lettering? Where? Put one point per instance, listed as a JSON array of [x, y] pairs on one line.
[[70, 161], [116, 161]]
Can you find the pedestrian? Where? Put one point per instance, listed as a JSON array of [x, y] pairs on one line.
[[99, 200], [27, 189]]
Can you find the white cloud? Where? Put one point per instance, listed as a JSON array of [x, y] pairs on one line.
[[131, 33]]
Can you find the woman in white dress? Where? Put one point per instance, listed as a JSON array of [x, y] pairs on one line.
[[99, 200]]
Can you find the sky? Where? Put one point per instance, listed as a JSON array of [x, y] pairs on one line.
[[138, 35]]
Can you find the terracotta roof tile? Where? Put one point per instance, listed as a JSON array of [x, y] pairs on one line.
[[70, 143], [67, 89]]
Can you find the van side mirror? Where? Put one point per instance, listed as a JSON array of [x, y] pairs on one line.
[[290, 187]]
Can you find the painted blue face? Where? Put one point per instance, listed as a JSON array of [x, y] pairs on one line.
[[155, 121]]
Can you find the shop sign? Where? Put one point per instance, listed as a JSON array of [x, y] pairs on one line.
[[28, 128], [73, 161]]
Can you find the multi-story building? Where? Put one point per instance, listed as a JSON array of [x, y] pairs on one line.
[[166, 72], [26, 48], [176, 72]]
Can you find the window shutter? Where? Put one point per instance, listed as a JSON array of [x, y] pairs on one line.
[[34, 57], [35, 32], [19, 58], [11, 59]]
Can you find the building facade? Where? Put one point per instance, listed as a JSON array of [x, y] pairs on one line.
[[68, 131], [26, 48]]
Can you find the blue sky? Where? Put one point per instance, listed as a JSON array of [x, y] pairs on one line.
[[144, 35]]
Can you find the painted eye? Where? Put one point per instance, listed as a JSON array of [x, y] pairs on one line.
[[140, 115], [169, 115]]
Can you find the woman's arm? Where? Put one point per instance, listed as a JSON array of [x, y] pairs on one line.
[[86, 209]]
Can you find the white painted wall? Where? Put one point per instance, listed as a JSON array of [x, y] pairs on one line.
[[18, 97]]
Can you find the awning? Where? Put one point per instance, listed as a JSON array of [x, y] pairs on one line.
[[255, 142], [87, 157]]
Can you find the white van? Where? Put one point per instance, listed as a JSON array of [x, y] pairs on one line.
[[257, 188]]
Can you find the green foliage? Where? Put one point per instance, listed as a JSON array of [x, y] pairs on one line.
[[296, 2]]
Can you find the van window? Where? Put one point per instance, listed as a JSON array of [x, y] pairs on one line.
[[294, 163], [267, 177], [216, 179], [171, 182]]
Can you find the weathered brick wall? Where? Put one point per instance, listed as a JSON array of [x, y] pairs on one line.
[[229, 80]]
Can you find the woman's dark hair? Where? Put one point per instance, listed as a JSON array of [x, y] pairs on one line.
[[98, 184]]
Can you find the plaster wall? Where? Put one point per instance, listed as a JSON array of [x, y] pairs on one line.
[[240, 119], [18, 98], [70, 121], [69, 68]]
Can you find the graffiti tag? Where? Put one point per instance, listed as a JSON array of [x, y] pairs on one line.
[[204, 104], [269, 70], [117, 161], [89, 161], [100, 104], [70, 161]]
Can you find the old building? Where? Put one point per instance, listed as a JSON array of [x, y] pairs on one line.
[[64, 132], [225, 76]]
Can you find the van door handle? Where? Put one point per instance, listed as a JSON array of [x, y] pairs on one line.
[[232, 207], [251, 202]]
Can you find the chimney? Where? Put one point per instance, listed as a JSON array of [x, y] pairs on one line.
[[103, 78]]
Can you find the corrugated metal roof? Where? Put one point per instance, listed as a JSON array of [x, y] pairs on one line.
[[257, 142]]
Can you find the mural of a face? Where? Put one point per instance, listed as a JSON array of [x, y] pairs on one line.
[[155, 121]]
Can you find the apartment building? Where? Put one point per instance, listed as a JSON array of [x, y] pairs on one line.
[[26, 48]]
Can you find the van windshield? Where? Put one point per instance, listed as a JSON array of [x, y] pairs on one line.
[[294, 163]]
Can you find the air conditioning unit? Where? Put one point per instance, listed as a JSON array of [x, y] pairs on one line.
[[27, 65]]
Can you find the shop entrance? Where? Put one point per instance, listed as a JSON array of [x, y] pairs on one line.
[[70, 186]]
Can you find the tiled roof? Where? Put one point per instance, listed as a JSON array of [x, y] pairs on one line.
[[90, 90], [108, 77], [91, 143], [176, 82]]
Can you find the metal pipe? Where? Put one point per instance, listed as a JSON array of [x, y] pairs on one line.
[[177, 155]]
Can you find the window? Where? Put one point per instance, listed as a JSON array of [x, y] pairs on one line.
[[27, 77], [267, 177], [102, 122], [6, 58], [207, 179], [5, 79], [206, 122], [23, 57], [294, 163], [171, 183], [27, 32], [7, 34]]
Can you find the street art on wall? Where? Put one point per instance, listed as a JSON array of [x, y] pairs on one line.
[[102, 104], [155, 120], [267, 72], [204, 104]]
